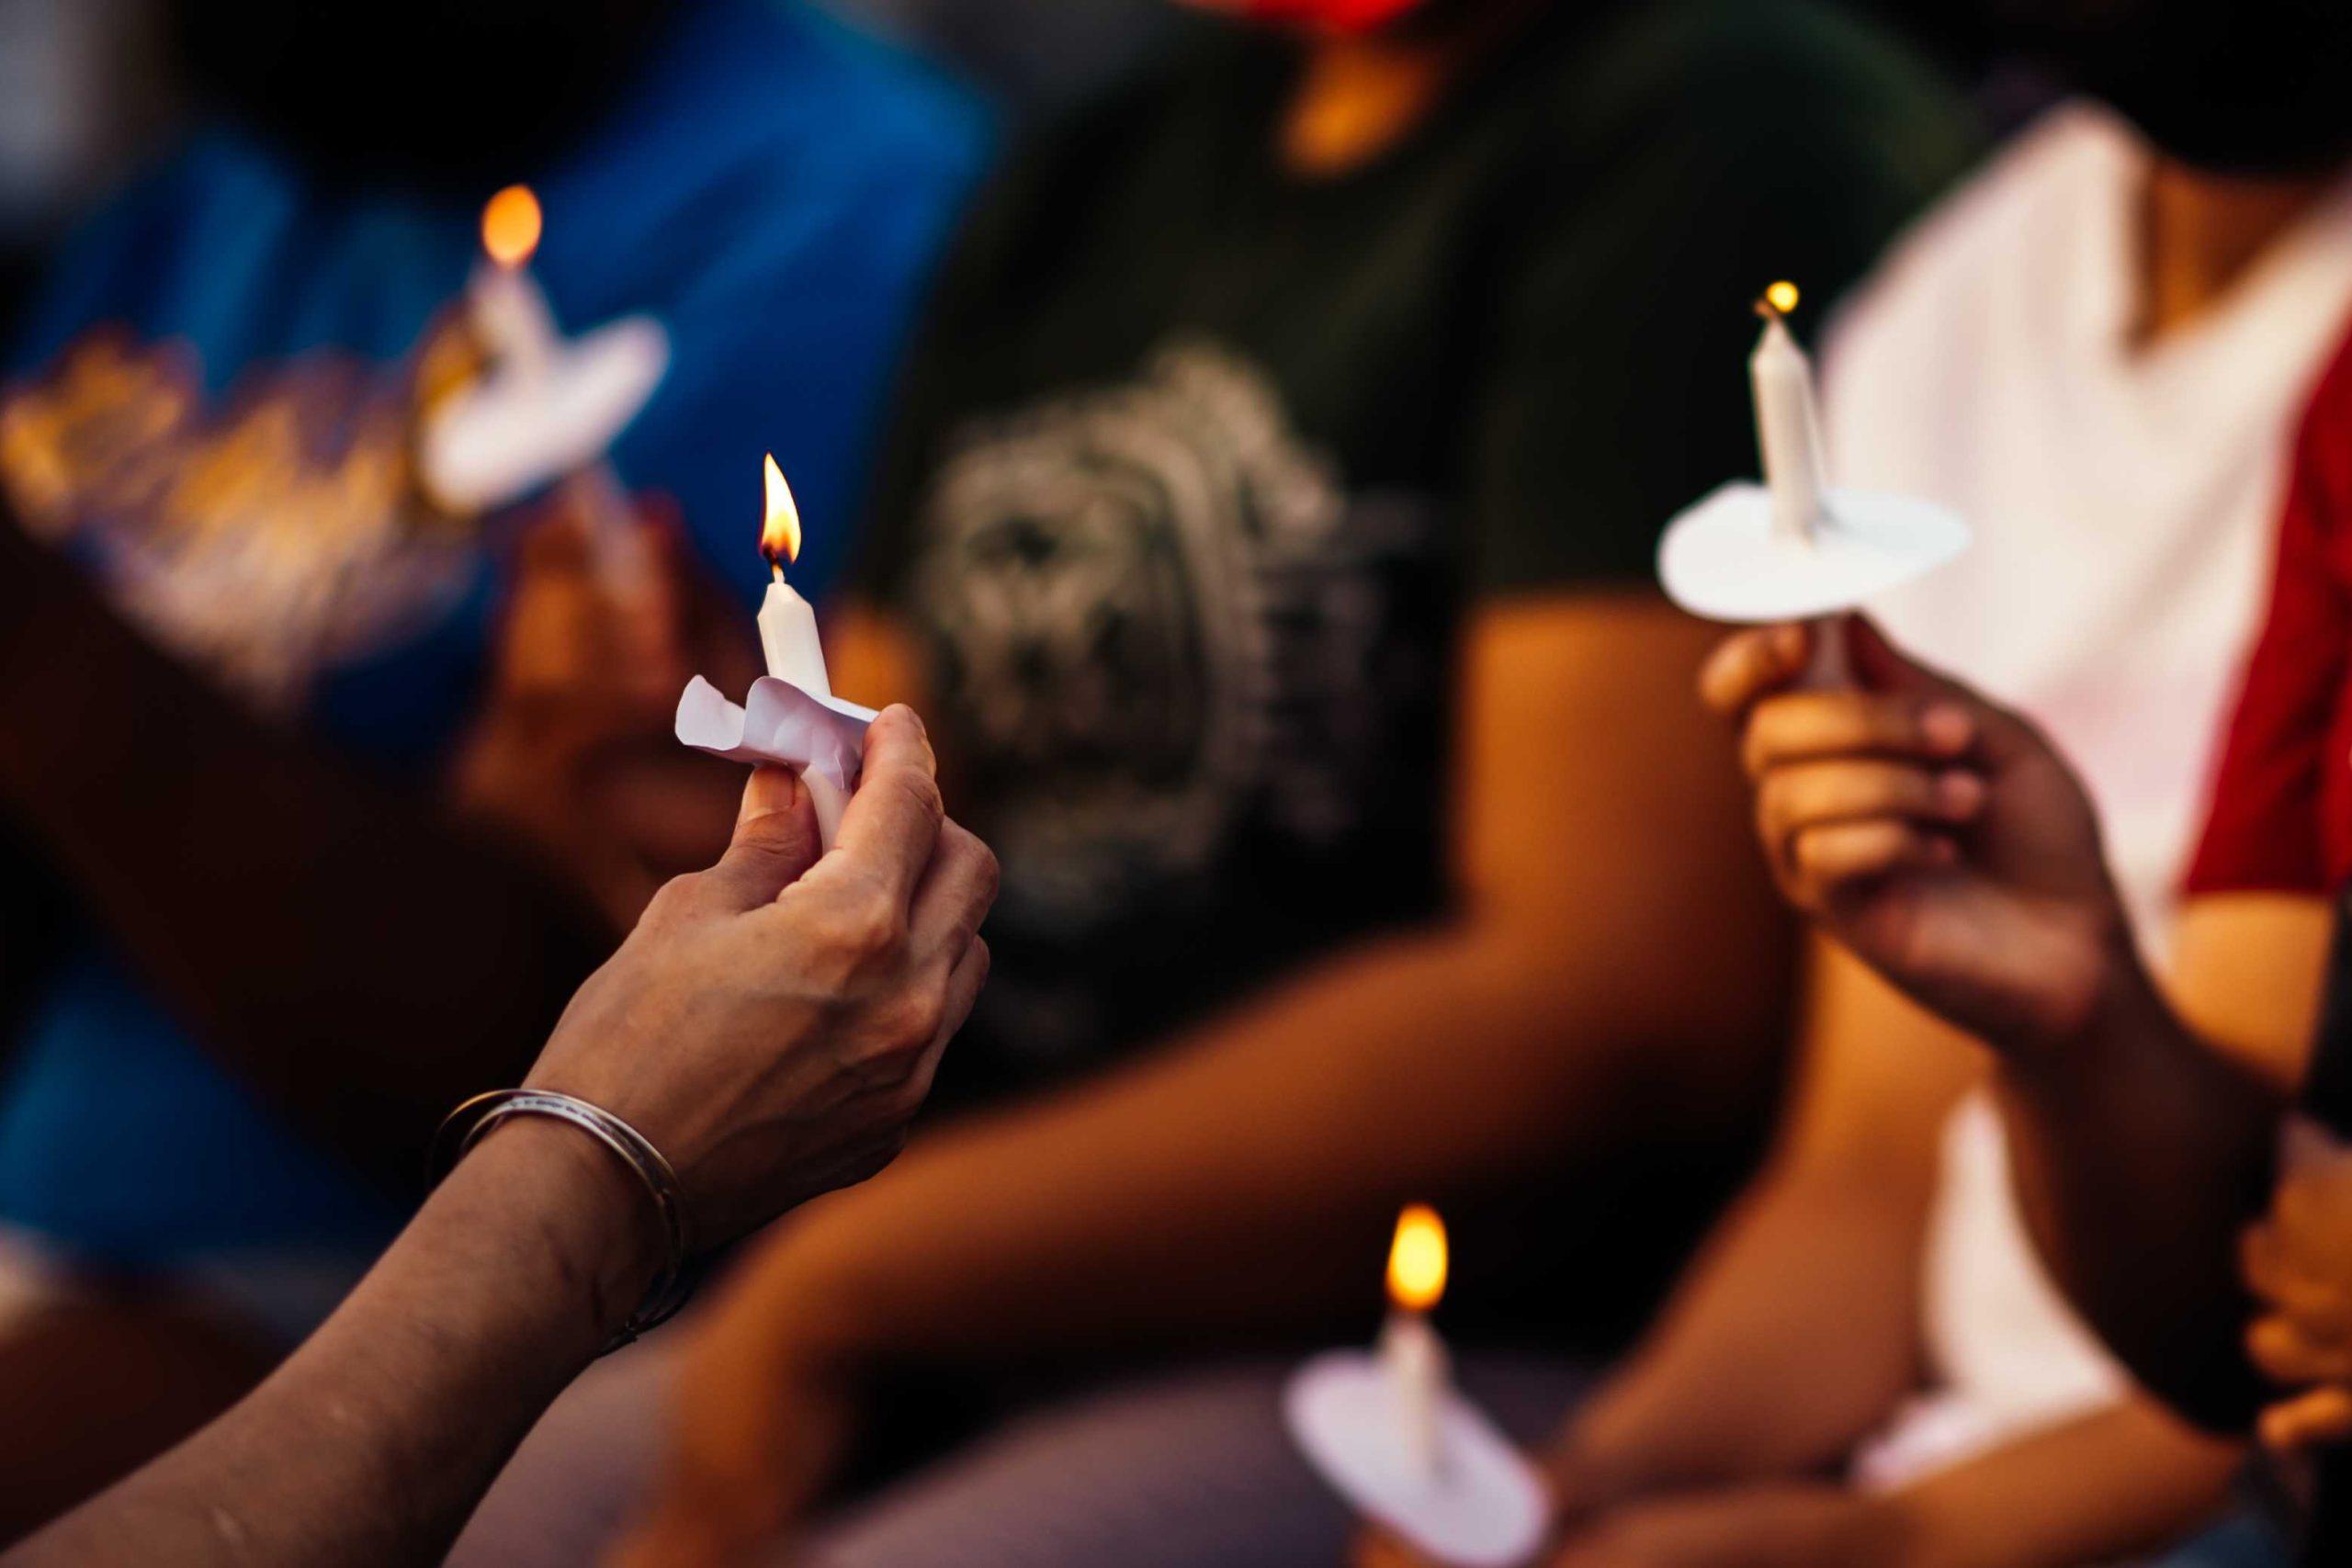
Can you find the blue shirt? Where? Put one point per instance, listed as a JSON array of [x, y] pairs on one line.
[[772, 186]]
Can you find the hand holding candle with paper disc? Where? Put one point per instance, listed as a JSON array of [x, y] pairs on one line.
[[1796, 548], [790, 717], [1391, 1435]]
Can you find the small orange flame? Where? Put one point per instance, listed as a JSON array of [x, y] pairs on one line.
[[510, 226], [1781, 297], [1416, 1259], [780, 531]]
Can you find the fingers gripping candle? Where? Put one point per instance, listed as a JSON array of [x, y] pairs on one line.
[[1794, 548]]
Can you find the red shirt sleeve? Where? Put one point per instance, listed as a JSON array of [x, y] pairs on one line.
[[2281, 801]]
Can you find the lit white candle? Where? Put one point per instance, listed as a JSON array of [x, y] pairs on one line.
[[1788, 431], [1411, 1355], [1787, 435], [508, 308], [788, 624]]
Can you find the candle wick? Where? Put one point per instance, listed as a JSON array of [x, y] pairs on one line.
[[775, 570], [1767, 310]]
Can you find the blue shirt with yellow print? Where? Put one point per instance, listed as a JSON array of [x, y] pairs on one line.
[[209, 412]]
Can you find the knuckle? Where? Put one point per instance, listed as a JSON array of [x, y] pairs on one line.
[[673, 898], [866, 926]]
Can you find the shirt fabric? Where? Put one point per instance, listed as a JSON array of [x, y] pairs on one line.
[[1204, 463], [2121, 496], [2281, 818], [213, 409]]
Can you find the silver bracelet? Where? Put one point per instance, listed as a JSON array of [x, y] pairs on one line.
[[465, 1126]]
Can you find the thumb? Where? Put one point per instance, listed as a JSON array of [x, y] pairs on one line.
[[774, 839]]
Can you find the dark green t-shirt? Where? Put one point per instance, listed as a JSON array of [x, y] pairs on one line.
[[1203, 464]]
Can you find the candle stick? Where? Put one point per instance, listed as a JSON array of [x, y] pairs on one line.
[[519, 334], [1411, 1355], [508, 307], [1392, 1434], [788, 624], [1788, 431]]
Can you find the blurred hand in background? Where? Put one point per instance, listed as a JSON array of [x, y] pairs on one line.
[[572, 753]]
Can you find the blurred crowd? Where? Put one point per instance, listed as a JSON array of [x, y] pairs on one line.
[[1242, 430]]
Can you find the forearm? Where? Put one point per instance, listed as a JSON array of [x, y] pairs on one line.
[[2141, 1154], [374, 1441], [2104, 1487], [1817, 1273], [212, 846], [1178, 1192]]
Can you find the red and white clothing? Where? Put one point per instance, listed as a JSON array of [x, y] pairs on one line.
[[2123, 496], [2281, 818]]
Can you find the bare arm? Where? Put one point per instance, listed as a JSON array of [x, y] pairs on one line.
[[2108, 1486], [1946, 843], [1174, 1195], [770, 1025], [1819, 1261], [372, 1443], [214, 848]]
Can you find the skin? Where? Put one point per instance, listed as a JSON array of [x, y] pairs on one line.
[[2141, 1148], [1822, 1256], [1082, 1220], [771, 1025]]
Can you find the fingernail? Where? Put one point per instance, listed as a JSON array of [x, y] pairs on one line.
[[1947, 728], [1958, 793], [771, 790]]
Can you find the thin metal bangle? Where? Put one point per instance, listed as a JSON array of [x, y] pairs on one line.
[[463, 1128]]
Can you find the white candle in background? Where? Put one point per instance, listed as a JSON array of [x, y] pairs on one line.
[[1787, 435], [509, 310], [1788, 432], [1411, 1355], [788, 624]]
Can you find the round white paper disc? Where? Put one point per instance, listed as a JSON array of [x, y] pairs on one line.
[[509, 435], [1720, 558], [1482, 1508]]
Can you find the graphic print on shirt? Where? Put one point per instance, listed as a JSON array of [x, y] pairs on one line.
[[263, 537], [1160, 615]]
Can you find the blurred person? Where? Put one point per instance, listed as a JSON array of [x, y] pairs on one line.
[[2096, 351], [1270, 521], [250, 665], [763, 1035]]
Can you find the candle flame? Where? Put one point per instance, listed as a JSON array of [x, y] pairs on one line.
[[1416, 1259], [1781, 298], [510, 226], [780, 531]]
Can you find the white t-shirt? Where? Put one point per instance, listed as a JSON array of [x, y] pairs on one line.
[[2123, 501]]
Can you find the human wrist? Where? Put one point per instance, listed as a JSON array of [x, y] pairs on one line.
[[2115, 1015], [581, 1219]]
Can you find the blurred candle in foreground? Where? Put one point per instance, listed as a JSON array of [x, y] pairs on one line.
[[1788, 431], [787, 625], [1412, 1354]]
